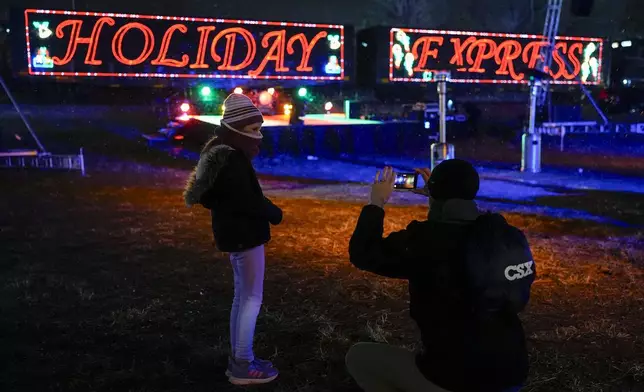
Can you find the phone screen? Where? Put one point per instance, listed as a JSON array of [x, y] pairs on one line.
[[406, 181]]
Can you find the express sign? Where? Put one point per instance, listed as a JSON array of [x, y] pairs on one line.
[[66, 43], [416, 54]]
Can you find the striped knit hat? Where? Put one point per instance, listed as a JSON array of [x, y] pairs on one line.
[[239, 112]]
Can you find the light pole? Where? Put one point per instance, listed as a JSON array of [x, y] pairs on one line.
[[531, 140], [442, 150]]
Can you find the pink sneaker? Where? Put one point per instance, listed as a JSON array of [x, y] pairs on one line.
[[250, 373], [262, 362]]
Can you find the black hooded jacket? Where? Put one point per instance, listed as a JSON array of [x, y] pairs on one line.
[[461, 352], [225, 182]]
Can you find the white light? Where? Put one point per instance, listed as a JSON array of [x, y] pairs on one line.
[[271, 91], [364, 44], [615, 45], [238, 90], [627, 44], [626, 82], [8, 31], [328, 106], [265, 98], [427, 124]]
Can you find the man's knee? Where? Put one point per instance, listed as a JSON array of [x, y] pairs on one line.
[[358, 357]]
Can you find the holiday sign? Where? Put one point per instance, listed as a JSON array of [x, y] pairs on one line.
[[416, 55], [94, 44]]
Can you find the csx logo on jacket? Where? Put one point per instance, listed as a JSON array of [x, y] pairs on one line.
[[513, 272]]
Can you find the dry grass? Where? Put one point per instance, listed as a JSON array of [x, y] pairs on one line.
[[109, 283]]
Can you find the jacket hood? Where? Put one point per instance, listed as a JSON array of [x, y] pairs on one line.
[[203, 176]]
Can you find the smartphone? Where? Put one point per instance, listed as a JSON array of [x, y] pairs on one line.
[[406, 181]]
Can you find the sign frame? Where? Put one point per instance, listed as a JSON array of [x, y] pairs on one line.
[[455, 79], [342, 75]]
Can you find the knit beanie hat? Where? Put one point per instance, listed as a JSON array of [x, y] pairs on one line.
[[239, 112], [453, 179]]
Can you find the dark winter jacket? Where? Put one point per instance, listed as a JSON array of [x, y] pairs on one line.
[[225, 182], [461, 352]]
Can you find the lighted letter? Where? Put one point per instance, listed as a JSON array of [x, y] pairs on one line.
[[459, 49], [506, 53], [307, 47], [201, 51], [165, 44], [560, 48], [574, 59], [481, 53], [275, 53], [117, 43], [75, 39], [426, 51], [532, 53], [229, 51]]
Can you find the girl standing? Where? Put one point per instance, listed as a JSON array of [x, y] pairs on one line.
[[225, 182]]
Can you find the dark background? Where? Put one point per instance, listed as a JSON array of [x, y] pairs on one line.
[[609, 18]]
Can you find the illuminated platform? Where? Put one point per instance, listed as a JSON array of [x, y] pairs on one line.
[[319, 135], [309, 120]]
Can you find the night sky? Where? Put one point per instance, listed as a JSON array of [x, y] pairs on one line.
[[327, 11], [609, 17]]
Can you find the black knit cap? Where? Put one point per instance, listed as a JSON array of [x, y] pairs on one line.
[[454, 179]]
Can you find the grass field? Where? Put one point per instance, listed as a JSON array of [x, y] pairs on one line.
[[108, 283]]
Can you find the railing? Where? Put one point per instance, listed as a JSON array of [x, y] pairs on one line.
[[576, 127], [36, 160]]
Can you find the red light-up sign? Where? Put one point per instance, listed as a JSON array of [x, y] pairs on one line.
[[415, 56], [66, 43]]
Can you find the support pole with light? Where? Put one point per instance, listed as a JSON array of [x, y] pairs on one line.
[[442, 150], [531, 140]]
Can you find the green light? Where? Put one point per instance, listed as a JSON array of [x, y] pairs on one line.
[[302, 92], [205, 91]]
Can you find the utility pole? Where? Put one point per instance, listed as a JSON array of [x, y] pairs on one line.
[[539, 94], [442, 150], [531, 140]]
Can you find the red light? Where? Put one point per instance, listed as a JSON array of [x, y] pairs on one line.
[[178, 137], [185, 107]]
